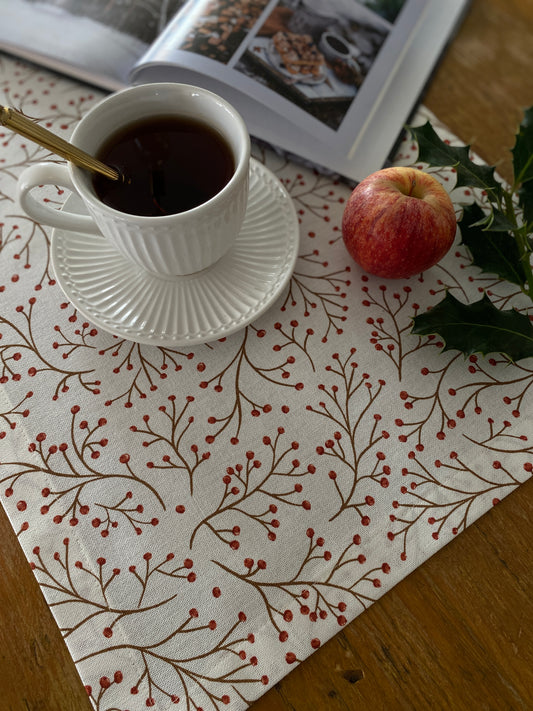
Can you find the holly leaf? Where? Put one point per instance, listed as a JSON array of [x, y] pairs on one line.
[[525, 200], [477, 328], [434, 151], [495, 221], [492, 251], [523, 149]]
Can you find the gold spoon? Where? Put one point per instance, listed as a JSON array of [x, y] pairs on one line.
[[24, 126]]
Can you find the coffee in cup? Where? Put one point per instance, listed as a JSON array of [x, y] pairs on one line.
[[169, 164], [337, 44]]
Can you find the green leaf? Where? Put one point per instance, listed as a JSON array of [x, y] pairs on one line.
[[495, 221], [434, 151], [523, 150], [499, 222], [525, 199], [478, 328], [493, 252]]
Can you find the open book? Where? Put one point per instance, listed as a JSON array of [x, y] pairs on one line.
[[330, 80]]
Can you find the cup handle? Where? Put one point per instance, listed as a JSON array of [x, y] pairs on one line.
[[51, 174]]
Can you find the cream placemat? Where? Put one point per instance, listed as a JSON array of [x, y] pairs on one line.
[[202, 519]]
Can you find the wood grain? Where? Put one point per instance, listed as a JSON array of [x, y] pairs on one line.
[[485, 79], [36, 670], [458, 632]]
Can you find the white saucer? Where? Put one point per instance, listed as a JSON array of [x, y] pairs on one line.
[[119, 297]]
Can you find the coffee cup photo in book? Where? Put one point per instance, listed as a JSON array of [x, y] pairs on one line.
[[332, 81]]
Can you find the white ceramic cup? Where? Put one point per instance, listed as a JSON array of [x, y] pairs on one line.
[[333, 46], [170, 245]]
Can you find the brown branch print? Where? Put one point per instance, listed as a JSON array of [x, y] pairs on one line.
[[177, 457], [187, 683], [148, 367], [233, 377], [21, 354], [392, 323], [353, 445], [254, 491], [501, 439], [19, 237], [65, 578], [316, 589], [445, 496], [459, 388], [74, 479], [318, 291]]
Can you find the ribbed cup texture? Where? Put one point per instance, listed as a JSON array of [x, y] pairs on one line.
[[178, 244]]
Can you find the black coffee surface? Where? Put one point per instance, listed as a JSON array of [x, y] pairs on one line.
[[170, 165], [337, 44]]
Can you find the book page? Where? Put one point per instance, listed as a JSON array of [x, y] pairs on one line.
[[95, 40], [305, 74]]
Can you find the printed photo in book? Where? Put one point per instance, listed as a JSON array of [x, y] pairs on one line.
[[100, 40], [315, 54], [319, 57]]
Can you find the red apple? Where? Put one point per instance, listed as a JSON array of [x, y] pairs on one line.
[[398, 222]]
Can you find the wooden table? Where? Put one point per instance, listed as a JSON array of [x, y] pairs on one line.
[[458, 632]]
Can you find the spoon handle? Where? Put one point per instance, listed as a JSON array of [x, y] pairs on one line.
[[22, 125]]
